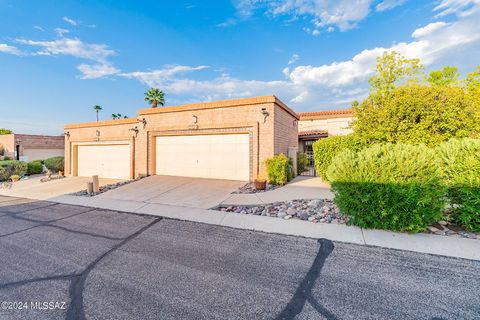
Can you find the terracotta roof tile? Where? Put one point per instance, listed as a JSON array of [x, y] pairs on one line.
[[312, 133], [325, 114]]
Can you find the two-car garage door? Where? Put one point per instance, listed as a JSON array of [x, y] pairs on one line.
[[107, 161], [216, 156]]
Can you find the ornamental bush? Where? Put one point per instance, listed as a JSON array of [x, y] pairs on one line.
[[35, 167], [325, 149], [12, 167], [279, 169], [460, 169], [386, 186], [302, 162], [55, 164]]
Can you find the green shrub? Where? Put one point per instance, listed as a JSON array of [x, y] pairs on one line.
[[302, 162], [394, 187], [325, 149], [35, 167], [7, 158], [55, 164], [279, 169], [12, 167], [460, 168], [2, 150]]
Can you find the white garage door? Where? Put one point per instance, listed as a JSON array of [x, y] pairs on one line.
[[224, 156], [30, 154], [106, 161]]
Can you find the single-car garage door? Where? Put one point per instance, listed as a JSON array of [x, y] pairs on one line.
[[106, 161], [220, 156]]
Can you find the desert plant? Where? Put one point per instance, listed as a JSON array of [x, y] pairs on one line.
[[154, 97], [279, 169], [97, 109], [325, 149], [15, 177], [5, 131], [460, 169], [302, 162], [12, 167], [55, 164], [2, 150], [388, 186], [35, 167]]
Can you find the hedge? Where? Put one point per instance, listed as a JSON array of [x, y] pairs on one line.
[[55, 164], [35, 167], [12, 167], [460, 169], [387, 186], [325, 149], [279, 169]]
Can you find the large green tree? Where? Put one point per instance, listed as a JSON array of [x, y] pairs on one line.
[[401, 108], [5, 131], [446, 76], [393, 68]]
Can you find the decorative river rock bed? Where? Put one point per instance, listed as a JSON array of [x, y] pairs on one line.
[[250, 188], [325, 211], [312, 210]]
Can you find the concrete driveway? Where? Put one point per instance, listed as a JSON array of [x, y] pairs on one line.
[[32, 188], [103, 264], [175, 191]]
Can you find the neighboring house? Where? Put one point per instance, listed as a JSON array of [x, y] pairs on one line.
[[228, 139], [321, 124], [27, 147]]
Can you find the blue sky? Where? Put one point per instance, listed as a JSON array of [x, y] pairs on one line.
[[59, 58]]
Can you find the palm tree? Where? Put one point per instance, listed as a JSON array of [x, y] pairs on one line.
[[154, 96], [97, 108]]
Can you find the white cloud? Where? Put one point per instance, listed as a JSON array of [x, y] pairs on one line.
[[5, 48], [388, 5], [61, 31], [458, 7], [160, 75], [70, 21], [96, 70], [70, 47], [293, 59], [428, 29], [38, 28]]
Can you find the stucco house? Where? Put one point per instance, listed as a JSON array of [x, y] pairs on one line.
[[321, 124], [228, 139], [28, 147]]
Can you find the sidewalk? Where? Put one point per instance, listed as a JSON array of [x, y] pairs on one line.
[[423, 243], [299, 188]]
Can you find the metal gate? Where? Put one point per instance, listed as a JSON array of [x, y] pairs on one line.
[[310, 171]]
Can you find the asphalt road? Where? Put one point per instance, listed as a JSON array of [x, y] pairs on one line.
[[100, 264]]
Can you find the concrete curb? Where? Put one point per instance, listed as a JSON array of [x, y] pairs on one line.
[[423, 243]]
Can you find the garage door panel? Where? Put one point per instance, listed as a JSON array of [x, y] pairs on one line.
[[205, 156], [106, 161]]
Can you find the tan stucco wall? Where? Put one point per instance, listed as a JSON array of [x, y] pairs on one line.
[[52, 145], [234, 116], [334, 126], [7, 141]]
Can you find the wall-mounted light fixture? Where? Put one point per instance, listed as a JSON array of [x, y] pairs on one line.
[[67, 134], [135, 129], [295, 122], [194, 119], [97, 133], [265, 114], [144, 121]]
